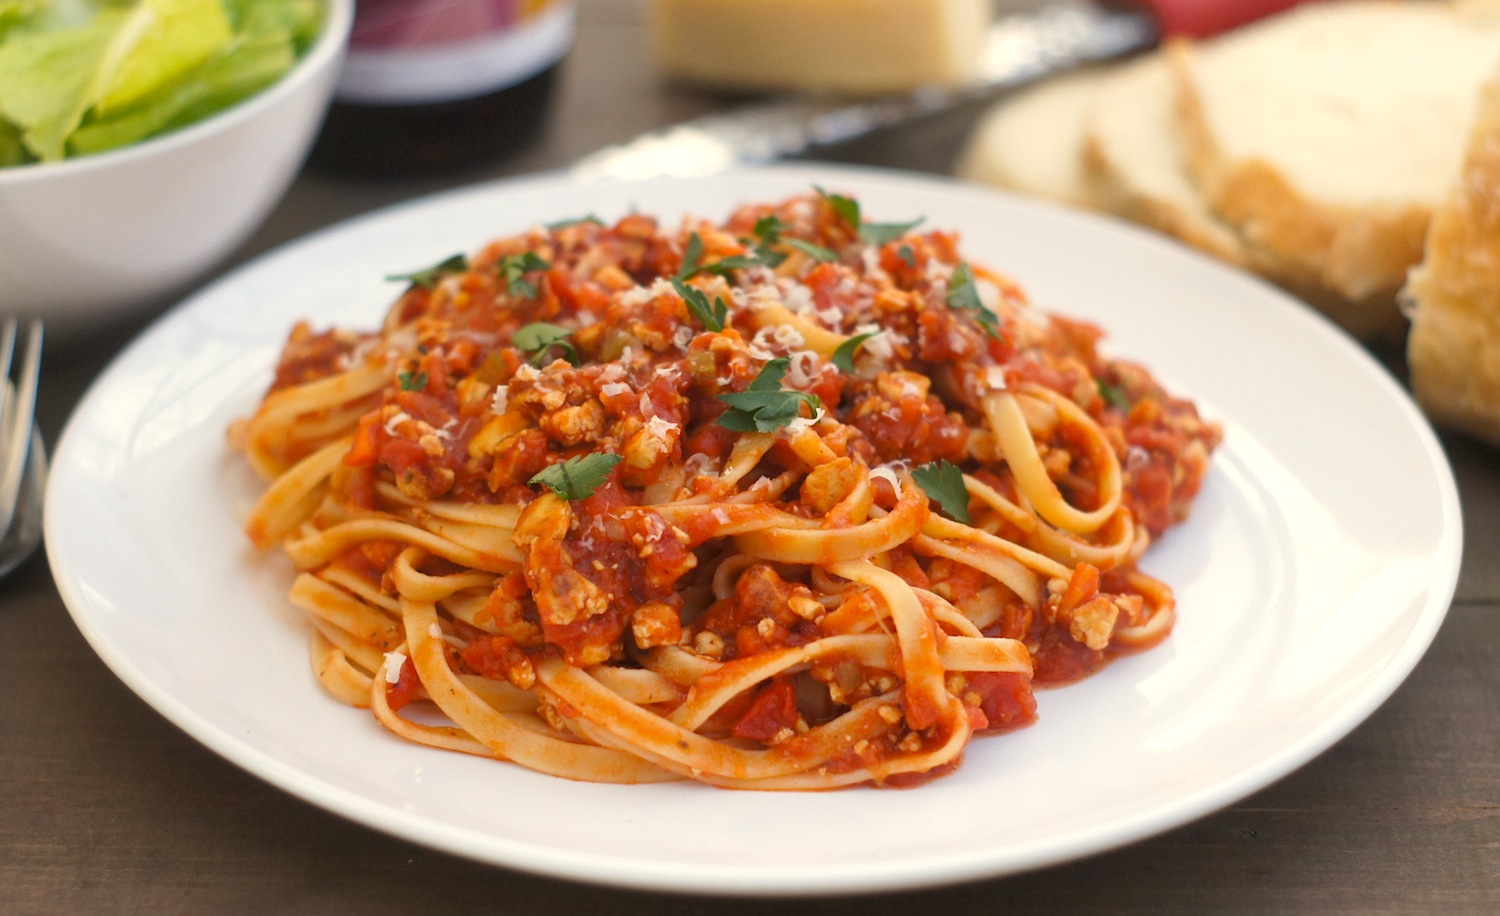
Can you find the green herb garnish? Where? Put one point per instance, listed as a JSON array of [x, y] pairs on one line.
[[843, 356], [1113, 395], [692, 253], [816, 252], [565, 223], [412, 381], [768, 230], [765, 406], [539, 337], [963, 295], [577, 478], [880, 233], [732, 262], [875, 233], [692, 257], [944, 484], [846, 207], [907, 256], [514, 267], [427, 277], [714, 317]]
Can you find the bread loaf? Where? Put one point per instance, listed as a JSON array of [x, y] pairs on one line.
[[1133, 163], [1311, 147], [1327, 135], [1453, 350]]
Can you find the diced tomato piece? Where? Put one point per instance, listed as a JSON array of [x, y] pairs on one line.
[[773, 711]]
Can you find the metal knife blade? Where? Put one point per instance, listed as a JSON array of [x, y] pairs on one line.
[[1020, 48]]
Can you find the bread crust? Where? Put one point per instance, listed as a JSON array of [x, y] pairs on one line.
[[1108, 171], [993, 153], [1350, 262], [1454, 347]]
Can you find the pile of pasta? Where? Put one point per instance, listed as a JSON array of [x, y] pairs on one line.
[[793, 501]]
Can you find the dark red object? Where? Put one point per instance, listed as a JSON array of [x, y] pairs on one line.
[[1201, 18]]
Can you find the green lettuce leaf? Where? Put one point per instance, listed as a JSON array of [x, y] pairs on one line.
[[160, 42], [12, 150], [49, 80], [249, 64], [87, 76]]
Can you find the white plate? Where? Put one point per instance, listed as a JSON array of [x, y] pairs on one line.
[[1317, 566]]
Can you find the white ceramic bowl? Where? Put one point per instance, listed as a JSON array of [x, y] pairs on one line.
[[94, 238]]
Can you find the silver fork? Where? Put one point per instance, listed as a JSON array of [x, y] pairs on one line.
[[23, 463]]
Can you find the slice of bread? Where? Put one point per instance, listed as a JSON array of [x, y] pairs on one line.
[[1453, 350], [1327, 135], [1133, 162], [1030, 142]]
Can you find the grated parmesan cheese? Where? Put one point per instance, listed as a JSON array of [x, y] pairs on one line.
[[394, 661], [801, 424], [659, 428], [500, 400], [887, 472], [698, 464], [803, 368], [396, 420]]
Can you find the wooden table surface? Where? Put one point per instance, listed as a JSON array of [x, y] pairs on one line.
[[105, 807]]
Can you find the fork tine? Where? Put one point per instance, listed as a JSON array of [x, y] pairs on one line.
[[7, 349], [16, 423]]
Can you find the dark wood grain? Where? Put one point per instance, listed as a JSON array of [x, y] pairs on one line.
[[107, 808]]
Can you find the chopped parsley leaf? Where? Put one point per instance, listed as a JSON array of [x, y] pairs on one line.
[[1113, 395], [944, 484], [880, 233], [692, 257], [963, 295], [846, 207], [714, 317], [768, 230], [427, 277], [514, 267], [539, 337], [874, 233], [816, 252], [765, 406], [577, 478], [843, 356], [565, 223]]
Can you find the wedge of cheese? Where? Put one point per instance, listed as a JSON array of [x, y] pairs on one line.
[[852, 47]]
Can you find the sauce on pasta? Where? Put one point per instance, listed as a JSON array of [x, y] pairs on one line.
[[791, 501]]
